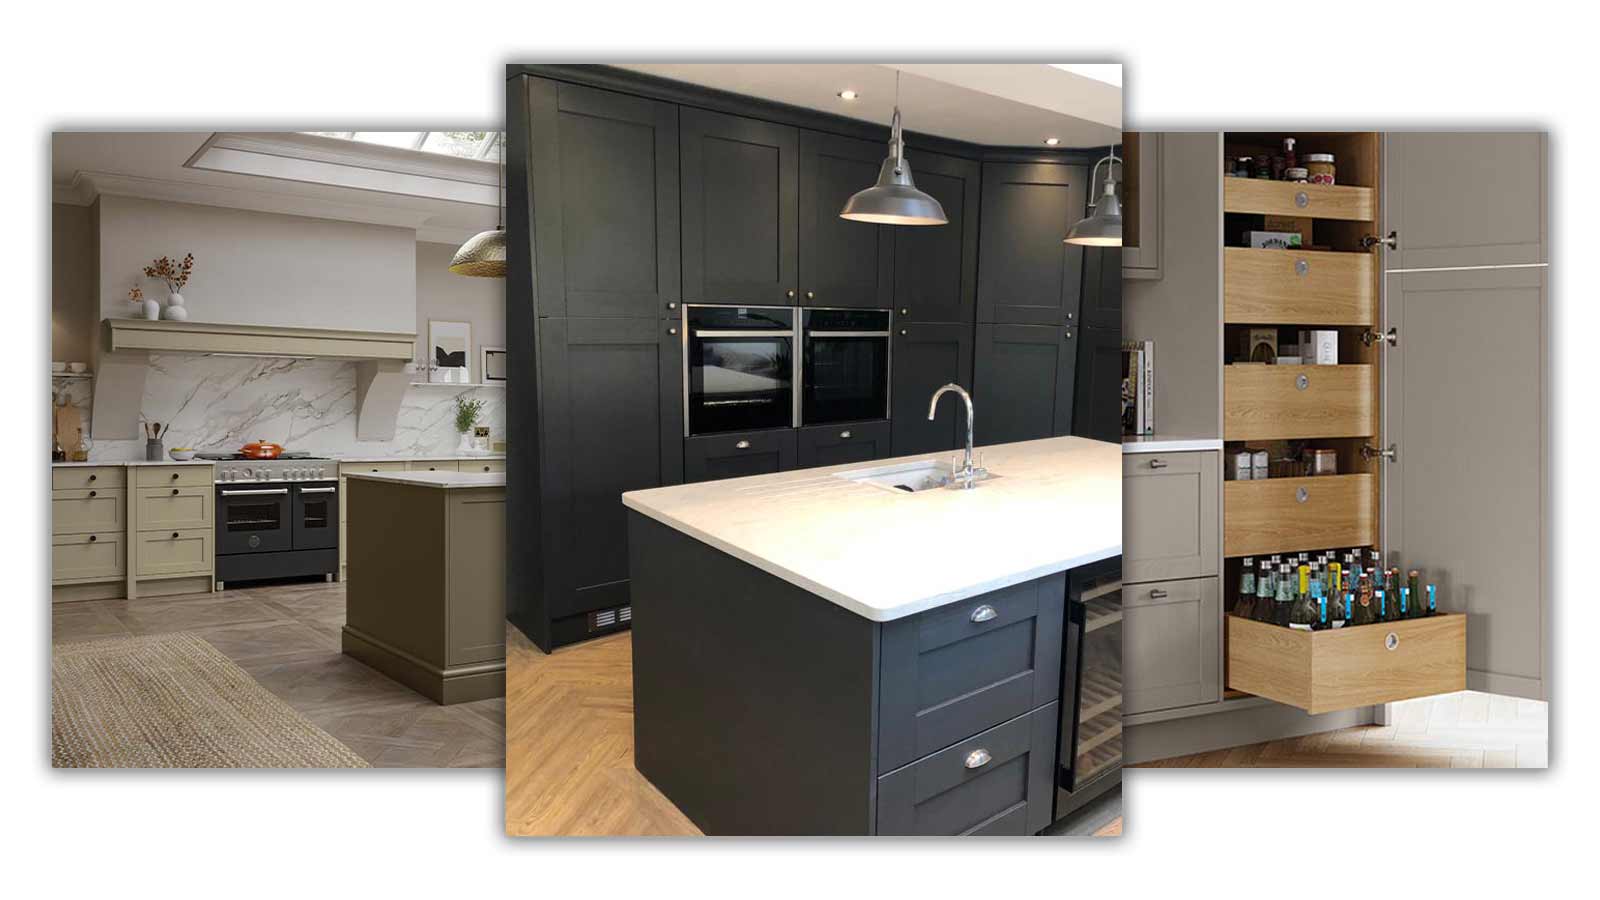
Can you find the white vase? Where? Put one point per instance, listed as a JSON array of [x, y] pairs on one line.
[[152, 309], [465, 445], [175, 311]]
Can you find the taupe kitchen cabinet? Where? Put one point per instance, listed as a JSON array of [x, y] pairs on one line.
[[1140, 174], [1027, 275], [1023, 381], [925, 357], [88, 553], [1465, 198], [936, 268], [171, 534], [738, 453], [1170, 515], [1170, 644], [397, 465]]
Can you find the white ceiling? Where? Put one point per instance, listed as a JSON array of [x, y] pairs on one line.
[[151, 164], [999, 104]]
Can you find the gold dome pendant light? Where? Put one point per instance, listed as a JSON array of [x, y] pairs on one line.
[[894, 200], [1103, 226], [484, 254]]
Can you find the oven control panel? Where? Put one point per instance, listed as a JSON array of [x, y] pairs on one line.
[[279, 470]]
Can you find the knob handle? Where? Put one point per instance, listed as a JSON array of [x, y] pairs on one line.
[[174, 535], [1391, 641], [93, 477], [174, 476], [1301, 382], [1068, 336], [905, 311], [672, 331], [92, 493], [904, 332], [672, 304], [789, 294], [984, 613], [978, 758], [742, 445], [93, 538], [1302, 267], [844, 435], [1301, 495], [811, 295], [174, 492], [1302, 199]]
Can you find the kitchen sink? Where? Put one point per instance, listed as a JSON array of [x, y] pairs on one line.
[[910, 478]]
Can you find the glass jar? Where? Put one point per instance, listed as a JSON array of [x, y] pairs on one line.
[[1320, 167], [1296, 174]]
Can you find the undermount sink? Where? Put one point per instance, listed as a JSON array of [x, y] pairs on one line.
[[910, 478]]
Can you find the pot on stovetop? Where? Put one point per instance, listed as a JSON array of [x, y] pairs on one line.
[[261, 449]]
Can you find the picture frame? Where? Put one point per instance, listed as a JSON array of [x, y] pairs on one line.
[[449, 352], [493, 365]]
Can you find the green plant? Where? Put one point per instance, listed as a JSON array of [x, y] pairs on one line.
[[467, 413]]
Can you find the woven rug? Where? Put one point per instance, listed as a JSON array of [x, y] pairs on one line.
[[174, 701]]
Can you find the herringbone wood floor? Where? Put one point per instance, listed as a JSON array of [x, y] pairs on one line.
[[1462, 730]]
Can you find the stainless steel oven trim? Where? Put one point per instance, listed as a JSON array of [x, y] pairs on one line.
[[847, 334], [318, 490], [799, 365], [683, 351], [256, 491], [739, 333]]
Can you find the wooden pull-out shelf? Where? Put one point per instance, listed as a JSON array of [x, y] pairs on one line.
[[1286, 515], [1264, 403], [1326, 671], [1282, 198], [1303, 287]]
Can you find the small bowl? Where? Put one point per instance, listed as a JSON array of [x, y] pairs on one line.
[[181, 455], [77, 368], [58, 367]]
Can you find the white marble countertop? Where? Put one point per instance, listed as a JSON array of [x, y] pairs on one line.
[[1168, 443], [136, 462], [437, 479], [883, 553], [426, 456]]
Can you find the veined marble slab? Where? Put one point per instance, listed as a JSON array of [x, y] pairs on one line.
[[436, 479]]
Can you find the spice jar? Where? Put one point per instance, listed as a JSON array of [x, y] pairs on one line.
[[1296, 174], [1263, 167], [1241, 167], [1320, 167]]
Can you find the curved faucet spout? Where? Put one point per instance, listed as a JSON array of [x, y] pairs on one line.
[[967, 480]]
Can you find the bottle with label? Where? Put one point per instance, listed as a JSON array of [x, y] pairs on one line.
[[1433, 600], [1335, 579], [1408, 610], [1414, 584], [1246, 601], [1284, 599], [1365, 612], [1290, 161], [1382, 600], [1264, 595], [80, 450], [1375, 566], [1303, 614]]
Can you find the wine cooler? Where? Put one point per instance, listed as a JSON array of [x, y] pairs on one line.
[[1090, 758]]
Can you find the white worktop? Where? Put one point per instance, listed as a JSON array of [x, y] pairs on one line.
[[437, 479], [427, 457], [885, 554], [1168, 443], [104, 464]]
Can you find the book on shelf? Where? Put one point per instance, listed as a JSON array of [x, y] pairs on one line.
[[1138, 387]]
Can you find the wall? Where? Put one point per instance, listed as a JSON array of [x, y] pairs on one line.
[[73, 306], [442, 295], [1181, 311]]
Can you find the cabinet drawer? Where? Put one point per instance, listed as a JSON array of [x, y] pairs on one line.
[[164, 508], [952, 672], [72, 478], [482, 465], [737, 454], [177, 552], [998, 782], [1287, 198], [1303, 287], [1169, 522], [832, 445], [395, 466], [433, 465], [1263, 403], [1170, 634], [1283, 515], [86, 511], [171, 476], [75, 557], [1326, 671]]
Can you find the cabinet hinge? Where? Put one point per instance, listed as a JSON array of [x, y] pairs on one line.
[[1372, 240], [1370, 337], [1390, 453]]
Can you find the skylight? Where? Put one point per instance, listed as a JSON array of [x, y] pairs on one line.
[[463, 144]]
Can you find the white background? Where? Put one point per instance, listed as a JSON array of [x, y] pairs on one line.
[[297, 65]]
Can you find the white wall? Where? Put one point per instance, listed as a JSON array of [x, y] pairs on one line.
[[444, 296]]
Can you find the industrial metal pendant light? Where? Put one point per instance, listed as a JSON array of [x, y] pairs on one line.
[[484, 254], [1103, 227], [894, 200]]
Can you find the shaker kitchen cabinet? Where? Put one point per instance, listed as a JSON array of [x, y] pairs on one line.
[[1170, 650], [936, 268], [842, 263], [1141, 204], [832, 445], [1023, 381], [739, 453], [1500, 221], [1097, 406], [1026, 274], [925, 358]]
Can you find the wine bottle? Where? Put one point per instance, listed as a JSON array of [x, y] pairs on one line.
[[1405, 603], [1285, 596], [1383, 605], [1303, 613], [1246, 601], [1414, 583], [1365, 612], [1264, 595]]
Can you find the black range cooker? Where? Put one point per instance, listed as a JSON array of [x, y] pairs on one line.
[[276, 518]]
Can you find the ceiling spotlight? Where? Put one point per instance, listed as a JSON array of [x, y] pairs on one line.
[[848, 95], [1051, 142]]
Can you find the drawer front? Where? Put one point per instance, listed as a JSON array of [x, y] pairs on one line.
[[1283, 515], [1170, 634], [832, 445], [80, 556], [484, 465], [952, 672], [1169, 522], [1263, 403], [1326, 671], [172, 476], [166, 508], [433, 465], [177, 552], [1287, 198], [737, 454], [998, 782], [396, 466], [87, 511], [1304, 287], [73, 478]]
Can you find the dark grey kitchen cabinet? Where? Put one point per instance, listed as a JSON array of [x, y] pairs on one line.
[[936, 266], [741, 189], [604, 180], [849, 442], [1097, 407], [1026, 274], [1023, 381], [842, 263], [1101, 306], [925, 358], [739, 453]]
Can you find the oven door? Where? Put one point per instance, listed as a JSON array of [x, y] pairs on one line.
[[1091, 698], [316, 516], [738, 369], [254, 519], [844, 375]]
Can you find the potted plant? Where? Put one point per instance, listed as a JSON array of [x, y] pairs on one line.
[[467, 411], [176, 275]]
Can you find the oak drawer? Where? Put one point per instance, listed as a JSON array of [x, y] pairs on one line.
[[1326, 671], [77, 557], [952, 672], [1301, 287], [1262, 402], [166, 508], [1288, 198], [433, 465], [86, 511], [177, 552], [998, 782], [74, 478], [1284, 515], [1169, 522], [171, 476], [482, 465]]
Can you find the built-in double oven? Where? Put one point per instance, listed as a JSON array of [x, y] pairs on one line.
[[747, 368]]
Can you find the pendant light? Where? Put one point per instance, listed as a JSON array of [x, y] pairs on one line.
[[894, 200], [1103, 226], [484, 254]]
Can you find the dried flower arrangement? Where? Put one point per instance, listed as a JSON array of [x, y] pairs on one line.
[[467, 413], [135, 294], [175, 274]]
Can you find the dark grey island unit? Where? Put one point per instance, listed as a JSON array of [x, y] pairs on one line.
[[823, 652]]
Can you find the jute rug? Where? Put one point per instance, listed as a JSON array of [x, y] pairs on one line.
[[174, 701]]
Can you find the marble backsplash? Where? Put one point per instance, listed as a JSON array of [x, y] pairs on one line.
[[222, 403]]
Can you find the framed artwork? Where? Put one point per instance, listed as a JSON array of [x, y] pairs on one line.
[[494, 365], [449, 349]]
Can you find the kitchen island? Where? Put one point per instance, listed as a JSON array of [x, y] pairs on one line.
[[857, 650], [426, 603]]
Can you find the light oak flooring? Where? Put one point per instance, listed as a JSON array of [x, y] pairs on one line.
[[287, 638], [1465, 730], [569, 749]]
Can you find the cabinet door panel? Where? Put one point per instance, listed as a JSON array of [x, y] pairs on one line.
[[832, 445], [1097, 408], [842, 263], [1465, 199], [1169, 523], [741, 184], [927, 357], [1023, 381], [1170, 634], [1026, 274], [737, 454], [936, 267]]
